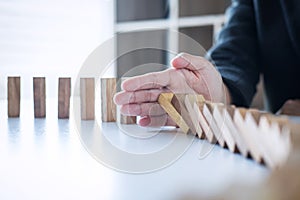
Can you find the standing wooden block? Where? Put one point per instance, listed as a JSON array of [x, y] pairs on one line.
[[108, 107], [127, 119], [13, 96], [124, 119], [64, 93], [87, 98], [39, 94]]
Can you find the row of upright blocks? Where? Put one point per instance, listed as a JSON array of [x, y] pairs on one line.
[[87, 98]]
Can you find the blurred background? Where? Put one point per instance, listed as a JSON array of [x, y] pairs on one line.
[[52, 38]]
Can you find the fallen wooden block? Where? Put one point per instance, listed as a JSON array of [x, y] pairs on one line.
[[39, 95], [64, 93], [13, 96], [228, 114], [87, 98], [204, 125], [255, 135], [226, 133], [108, 107], [190, 100], [178, 103], [164, 100], [207, 112], [239, 120]]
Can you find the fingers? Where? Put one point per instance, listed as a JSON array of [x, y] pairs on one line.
[[155, 80], [156, 121], [190, 62], [144, 109], [140, 96]]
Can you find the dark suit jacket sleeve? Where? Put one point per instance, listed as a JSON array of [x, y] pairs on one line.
[[236, 52]]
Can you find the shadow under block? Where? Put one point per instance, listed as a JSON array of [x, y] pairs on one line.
[[108, 107], [64, 93], [87, 98], [164, 100], [13, 96], [39, 93]]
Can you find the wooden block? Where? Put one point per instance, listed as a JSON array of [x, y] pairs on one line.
[[13, 96], [127, 119], [108, 107], [256, 137], [207, 112], [268, 142], [178, 103], [239, 120], [164, 100], [39, 87], [220, 121], [190, 100], [64, 93], [87, 98], [204, 125], [228, 114]]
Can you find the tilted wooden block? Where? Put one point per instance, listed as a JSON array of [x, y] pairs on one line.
[[254, 134], [164, 100], [228, 114], [179, 104], [248, 137], [226, 133], [64, 93], [190, 100], [13, 96], [204, 124], [207, 112], [87, 98], [108, 107], [39, 94]]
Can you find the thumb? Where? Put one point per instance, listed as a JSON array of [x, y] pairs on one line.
[[188, 61]]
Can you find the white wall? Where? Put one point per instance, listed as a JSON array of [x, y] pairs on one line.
[[49, 38]]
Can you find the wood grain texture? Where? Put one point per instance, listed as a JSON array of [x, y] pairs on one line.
[[39, 95], [87, 98], [13, 96], [108, 107], [164, 100], [64, 93]]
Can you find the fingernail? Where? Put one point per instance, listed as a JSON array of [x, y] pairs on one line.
[[179, 61], [145, 121]]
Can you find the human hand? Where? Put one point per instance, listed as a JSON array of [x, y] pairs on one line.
[[190, 74]]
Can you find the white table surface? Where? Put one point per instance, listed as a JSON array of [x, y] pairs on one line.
[[45, 159]]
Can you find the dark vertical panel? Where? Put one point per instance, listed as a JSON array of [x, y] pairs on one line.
[[128, 10], [202, 7]]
